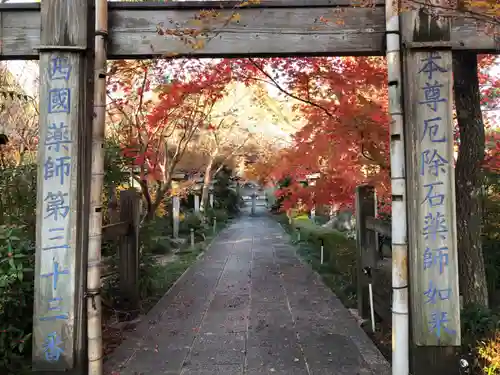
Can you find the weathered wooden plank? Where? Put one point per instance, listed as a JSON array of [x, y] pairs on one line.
[[130, 208], [431, 186], [272, 28], [115, 230], [237, 4], [59, 320], [20, 34], [272, 31], [378, 226], [465, 34], [434, 263]]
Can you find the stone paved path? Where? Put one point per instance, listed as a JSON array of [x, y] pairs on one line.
[[249, 306]]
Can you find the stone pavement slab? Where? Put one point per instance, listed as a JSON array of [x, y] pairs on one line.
[[248, 306]]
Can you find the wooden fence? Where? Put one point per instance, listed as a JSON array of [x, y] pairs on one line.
[[374, 257], [125, 233]]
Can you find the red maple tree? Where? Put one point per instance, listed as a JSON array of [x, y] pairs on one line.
[[162, 106]]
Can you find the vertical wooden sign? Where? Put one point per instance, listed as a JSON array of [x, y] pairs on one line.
[[433, 281], [435, 297], [56, 212], [60, 231]]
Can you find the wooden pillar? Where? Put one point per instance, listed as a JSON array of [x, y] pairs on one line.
[[66, 101], [128, 269], [434, 299], [366, 243]]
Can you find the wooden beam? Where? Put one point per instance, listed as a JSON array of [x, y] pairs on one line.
[[272, 28], [379, 226], [115, 230]]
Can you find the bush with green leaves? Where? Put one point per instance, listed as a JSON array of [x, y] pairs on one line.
[[16, 299], [278, 203], [478, 322], [220, 215], [18, 196], [192, 220], [481, 338], [155, 236], [339, 271], [226, 198]]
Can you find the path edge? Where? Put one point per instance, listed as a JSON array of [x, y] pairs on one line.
[[123, 353], [379, 365]]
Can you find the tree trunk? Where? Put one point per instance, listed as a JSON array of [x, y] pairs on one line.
[[469, 178], [207, 179]]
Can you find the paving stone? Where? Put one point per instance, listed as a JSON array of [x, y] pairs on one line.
[[249, 306], [218, 349], [214, 370]]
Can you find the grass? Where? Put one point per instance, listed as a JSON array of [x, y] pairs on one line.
[[157, 279]]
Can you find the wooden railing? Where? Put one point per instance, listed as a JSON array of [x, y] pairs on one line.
[[374, 256]]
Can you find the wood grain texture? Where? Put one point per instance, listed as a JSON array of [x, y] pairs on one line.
[[426, 358], [67, 25], [50, 252], [258, 32], [58, 319], [426, 235], [433, 232], [379, 226], [112, 231], [262, 30]]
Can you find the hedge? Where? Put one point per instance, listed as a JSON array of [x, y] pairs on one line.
[[339, 268]]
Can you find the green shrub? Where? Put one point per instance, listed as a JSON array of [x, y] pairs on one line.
[[491, 252], [481, 338], [226, 198], [339, 270], [478, 322], [191, 220], [18, 196], [16, 299], [153, 236], [217, 213], [300, 215]]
